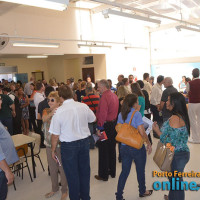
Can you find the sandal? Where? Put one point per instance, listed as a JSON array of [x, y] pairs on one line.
[[146, 195], [165, 197], [49, 194], [64, 196]]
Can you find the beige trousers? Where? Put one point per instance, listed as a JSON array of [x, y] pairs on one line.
[[54, 168], [194, 115]]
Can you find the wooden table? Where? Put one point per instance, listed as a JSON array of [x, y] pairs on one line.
[[21, 139]]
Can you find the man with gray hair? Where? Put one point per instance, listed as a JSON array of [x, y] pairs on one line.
[[106, 121], [168, 83], [27, 89]]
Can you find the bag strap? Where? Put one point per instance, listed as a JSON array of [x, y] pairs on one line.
[[132, 116]]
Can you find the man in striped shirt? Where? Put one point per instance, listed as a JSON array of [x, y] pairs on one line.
[[92, 101]]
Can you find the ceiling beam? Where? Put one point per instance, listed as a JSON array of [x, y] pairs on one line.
[[145, 12], [137, 5], [172, 25]]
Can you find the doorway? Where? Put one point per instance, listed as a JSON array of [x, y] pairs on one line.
[[88, 72], [39, 76]]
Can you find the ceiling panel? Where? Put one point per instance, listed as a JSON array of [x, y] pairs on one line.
[[146, 1], [197, 2], [196, 11], [162, 9], [188, 3]]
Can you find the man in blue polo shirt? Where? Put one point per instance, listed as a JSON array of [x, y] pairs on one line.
[[8, 155]]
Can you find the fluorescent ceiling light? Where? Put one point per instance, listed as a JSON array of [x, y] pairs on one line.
[[93, 45], [53, 54], [35, 56], [49, 4], [123, 14], [178, 28], [130, 47], [35, 44]]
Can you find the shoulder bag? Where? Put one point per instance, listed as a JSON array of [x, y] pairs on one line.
[[129, 135], [163, 156]]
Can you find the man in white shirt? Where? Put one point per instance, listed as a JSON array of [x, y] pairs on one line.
[[155, 99], [38, 97], [147, 85], [70, 125], [90, 81]]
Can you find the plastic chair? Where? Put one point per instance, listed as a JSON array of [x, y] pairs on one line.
[[22, 163], [36, 147]]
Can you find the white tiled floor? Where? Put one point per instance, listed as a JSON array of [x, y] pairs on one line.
[[27, 190]]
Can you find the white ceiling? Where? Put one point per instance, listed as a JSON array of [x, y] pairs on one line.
[[190, 9]]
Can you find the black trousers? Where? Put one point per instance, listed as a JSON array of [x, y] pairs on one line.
[[32, 119], [156, 116], [3, 186], [107, 152], [39, 131]]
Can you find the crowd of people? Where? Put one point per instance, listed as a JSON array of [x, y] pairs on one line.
[[69, 117]]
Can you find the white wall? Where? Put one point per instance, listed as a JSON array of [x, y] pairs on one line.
[[56, 68], [25, 65], [172, 46], [62, 68], [77, 24]]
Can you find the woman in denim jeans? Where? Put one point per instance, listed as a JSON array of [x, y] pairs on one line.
[[176, 131], [128, 154]]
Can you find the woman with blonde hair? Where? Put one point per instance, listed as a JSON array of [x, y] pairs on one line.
[[75, 88], [81, 92], [122, 92], [53, 83], [54, 103]]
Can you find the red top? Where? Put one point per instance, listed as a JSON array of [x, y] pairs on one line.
[[194, 92], [108, 108]]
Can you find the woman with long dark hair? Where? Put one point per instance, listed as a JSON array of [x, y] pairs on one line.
[[176, 132], [128, 154], [24, 102]]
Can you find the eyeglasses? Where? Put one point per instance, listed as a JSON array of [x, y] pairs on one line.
[[50, 100]]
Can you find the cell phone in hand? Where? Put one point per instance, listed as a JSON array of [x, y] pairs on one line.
[[59, 163]]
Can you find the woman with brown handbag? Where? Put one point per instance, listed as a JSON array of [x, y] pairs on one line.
[[175, 132], [129, 153]]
